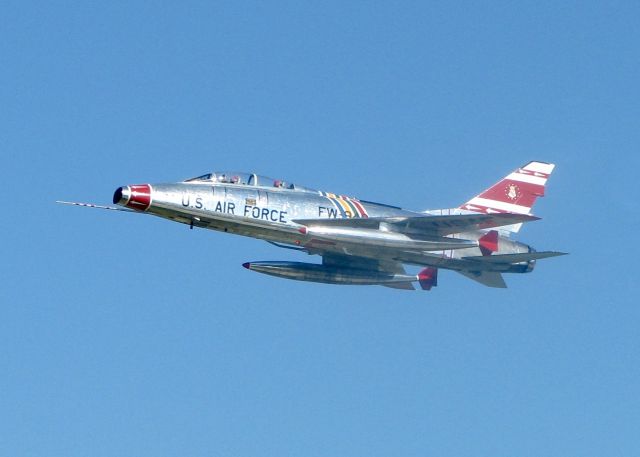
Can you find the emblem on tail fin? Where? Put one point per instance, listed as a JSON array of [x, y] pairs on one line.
[[513, 192]]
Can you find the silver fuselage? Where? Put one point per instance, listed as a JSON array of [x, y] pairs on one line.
[[360, 242], [269, 213]]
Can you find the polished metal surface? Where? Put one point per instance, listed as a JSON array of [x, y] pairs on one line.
[[360, 242]]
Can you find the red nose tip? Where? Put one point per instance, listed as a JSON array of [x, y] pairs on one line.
[[136, 197]]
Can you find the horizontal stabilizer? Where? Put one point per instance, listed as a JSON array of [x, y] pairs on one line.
[[432, 225], [487, 278], [400, 285], [515, 258]]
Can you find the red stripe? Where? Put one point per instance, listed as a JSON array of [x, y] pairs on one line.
[[140, 197], [533, 173], [428, 278], [516, 192], [489, 243], [363, 212]]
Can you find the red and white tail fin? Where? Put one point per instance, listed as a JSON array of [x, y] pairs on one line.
[[516, 193]]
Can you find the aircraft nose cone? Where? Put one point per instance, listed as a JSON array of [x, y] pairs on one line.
[[137, 196]]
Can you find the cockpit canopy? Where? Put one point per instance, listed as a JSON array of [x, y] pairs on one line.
[[247, 179]]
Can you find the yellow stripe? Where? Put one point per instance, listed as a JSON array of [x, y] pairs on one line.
[[353, 207], [346, 207]]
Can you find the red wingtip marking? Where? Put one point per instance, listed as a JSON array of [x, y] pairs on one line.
[[303, 230], [489, 243], [428, 278]]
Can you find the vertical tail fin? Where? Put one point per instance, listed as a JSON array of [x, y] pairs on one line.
[[516, 193]]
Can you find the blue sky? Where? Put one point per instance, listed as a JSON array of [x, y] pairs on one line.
[[126, 335]]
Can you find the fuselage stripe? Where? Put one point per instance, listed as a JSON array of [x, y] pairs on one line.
[[345, 207], [336, 201], [352, 209], [336, 206], [361, 210]]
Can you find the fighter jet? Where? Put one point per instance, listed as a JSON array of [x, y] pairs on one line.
[[361, 242]]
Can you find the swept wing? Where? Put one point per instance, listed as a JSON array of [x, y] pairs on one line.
[[431, 225]]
